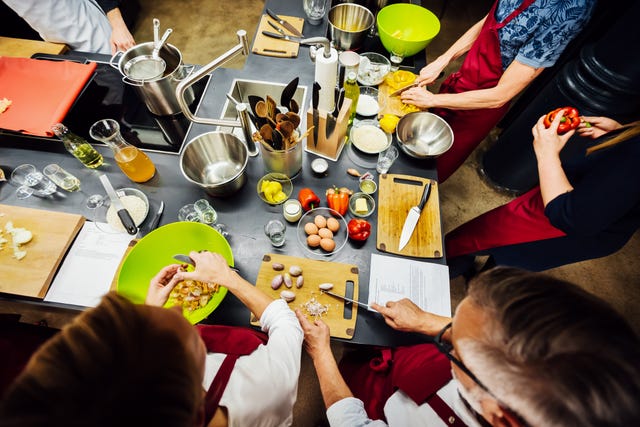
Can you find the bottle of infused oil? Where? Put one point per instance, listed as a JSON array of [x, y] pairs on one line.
[[78, 146], [352, 91], [133, 162]]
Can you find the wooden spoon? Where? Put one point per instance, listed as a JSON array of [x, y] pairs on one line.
[[271, 107], [293, 106], [286, 129], [262, 111], [294, 118], [266, 132]]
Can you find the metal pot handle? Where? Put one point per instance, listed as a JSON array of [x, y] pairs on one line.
[[127, 80], [113, 58], [243, 48]]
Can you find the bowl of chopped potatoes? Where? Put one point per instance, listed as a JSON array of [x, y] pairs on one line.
[[155, 251]]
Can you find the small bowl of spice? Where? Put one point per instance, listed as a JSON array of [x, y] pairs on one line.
[[361, 205]]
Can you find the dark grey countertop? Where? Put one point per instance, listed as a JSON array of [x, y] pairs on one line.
[[244, 213]]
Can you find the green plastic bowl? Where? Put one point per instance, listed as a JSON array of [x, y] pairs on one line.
[[156, 250], [406, 28]]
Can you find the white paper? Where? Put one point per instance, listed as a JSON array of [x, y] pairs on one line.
[[89, 267], [424, 283]]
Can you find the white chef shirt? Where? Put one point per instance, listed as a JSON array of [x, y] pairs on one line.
[[400, 411], [263, 385]]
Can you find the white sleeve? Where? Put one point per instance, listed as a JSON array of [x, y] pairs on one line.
[[349, 412], [263, 385]]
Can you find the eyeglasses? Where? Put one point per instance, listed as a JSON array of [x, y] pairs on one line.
[[446, 349]]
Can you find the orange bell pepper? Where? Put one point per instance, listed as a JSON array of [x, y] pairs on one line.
[[338, 199]]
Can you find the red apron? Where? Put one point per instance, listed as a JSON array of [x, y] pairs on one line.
[[481, 69], [521, 220]]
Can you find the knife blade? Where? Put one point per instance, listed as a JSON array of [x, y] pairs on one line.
[[412, 218], [153, 223], [284, 23], [345, 299], [282, 36], [186, 259], [316, 118], [123, 214], [275, 27], [330, 125], [399, 91]]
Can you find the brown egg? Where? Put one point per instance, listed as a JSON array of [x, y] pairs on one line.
[[310, 228], [327, 245], [320, 221], [325, 233], [314, 240], [333, 224]]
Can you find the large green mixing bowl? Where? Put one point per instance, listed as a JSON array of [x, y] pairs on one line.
[[156, 250], [405, 29]]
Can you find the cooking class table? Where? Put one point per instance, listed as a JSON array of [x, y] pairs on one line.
[[243, 213]]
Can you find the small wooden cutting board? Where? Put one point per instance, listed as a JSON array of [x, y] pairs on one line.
[[268, 46], [397, 194], [315, 272]]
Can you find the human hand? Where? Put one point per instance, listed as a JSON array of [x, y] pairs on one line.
[[431, 72], [546, 141], [316, 336], [406, 316], [418, 96], [211, 268], [594, 127], [161, 285], [121, 39]]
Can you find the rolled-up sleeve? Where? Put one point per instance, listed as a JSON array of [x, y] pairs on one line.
[[349, 412]]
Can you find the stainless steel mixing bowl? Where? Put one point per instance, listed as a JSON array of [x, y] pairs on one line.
[[424, 135], [216, 161]]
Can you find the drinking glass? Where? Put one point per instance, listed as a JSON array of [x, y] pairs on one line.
[[315, 10], [275, 231], [61, 177], [396, 59], [188, 213], [386, 159], [30, 180], [205, 211]]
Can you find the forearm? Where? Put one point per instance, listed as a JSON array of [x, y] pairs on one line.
[[115, 19], [253, 298], [332, 385], [553, 180]]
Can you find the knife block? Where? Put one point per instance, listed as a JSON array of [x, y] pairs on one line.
[[332, 146]]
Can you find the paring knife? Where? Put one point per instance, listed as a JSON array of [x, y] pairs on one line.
[[315, 101], [399, 91], [412, 218], [187, 260], [347, 300], [123, 214], [154, 221], [282, 36], [284, 23], [275, 27]]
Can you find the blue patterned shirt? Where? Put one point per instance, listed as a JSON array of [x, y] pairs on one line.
[[538, 35]]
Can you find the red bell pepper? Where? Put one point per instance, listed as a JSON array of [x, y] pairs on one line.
[[338, 199], [308, 199], [570, 120], [359, 229]]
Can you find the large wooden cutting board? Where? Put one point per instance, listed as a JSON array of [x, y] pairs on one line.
[[314, 273], [53, 233], [397, 194]]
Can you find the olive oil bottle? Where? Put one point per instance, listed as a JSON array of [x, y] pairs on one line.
[[78, 146], [352, 91]]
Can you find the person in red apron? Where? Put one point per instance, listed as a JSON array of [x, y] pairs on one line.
[[520, 348], [132, 364], [474, 99], [573, 215]]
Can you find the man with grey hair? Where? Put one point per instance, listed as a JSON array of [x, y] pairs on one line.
[[524, 349]]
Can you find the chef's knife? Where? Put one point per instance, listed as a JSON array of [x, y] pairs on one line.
[[153, 223], [315, 101], [399, 91], [123, 214], [330, 125], [284, 23], [345, 299], [412, 218]]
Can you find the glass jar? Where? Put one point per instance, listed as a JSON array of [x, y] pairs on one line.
[[78, 146]]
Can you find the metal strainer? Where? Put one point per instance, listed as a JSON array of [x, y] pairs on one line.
[[148, 67]]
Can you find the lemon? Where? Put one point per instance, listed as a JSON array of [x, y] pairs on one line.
[[388, 122]]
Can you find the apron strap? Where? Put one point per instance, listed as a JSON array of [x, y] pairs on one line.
[[444, 411], [525, 4], [219, 384]]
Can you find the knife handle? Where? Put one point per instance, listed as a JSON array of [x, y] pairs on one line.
[[425, 196], [273, 15], [127, 221], [316, 94]]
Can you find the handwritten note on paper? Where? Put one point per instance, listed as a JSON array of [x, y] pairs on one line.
[[424, 283], [88, 269]]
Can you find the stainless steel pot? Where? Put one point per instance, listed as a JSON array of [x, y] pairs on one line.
[[349, 24], [158, 93], [216, 161]]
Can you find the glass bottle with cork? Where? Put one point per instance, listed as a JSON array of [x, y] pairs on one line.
[[352, 91], [133, 162], [78, 146]]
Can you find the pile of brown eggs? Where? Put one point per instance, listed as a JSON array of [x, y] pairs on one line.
[[320, 232]]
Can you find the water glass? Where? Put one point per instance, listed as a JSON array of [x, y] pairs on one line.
[[396, 59], [61, 177], [31, 181], [188, 213], [205, 211], [315, 10], [386, 159], [275, 231]]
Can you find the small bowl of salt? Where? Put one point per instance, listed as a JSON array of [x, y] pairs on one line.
[[369, 103]]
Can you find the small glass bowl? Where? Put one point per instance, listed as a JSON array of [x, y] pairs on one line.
[[373, 68], [371, 204], [100, 213], [339, 237], [285, 182], [369, 104]]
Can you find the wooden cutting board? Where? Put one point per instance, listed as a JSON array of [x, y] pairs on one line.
[[268, 46], [314, 273], [392, 104], [397, 194], [53, 233]]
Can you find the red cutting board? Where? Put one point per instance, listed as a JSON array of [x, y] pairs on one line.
[[397, 194], [53, 233], [41, 92]]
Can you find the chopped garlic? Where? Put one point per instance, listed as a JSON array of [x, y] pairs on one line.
[[19, 236]]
